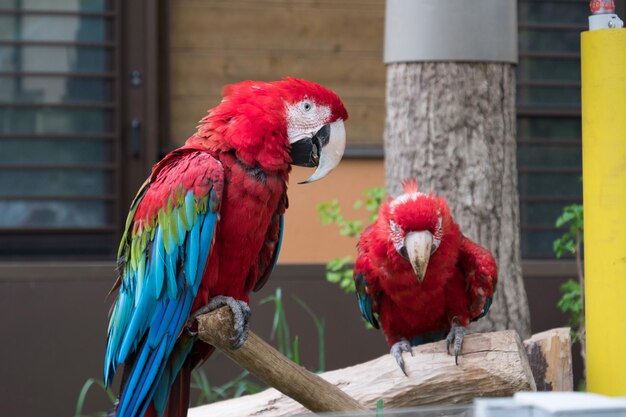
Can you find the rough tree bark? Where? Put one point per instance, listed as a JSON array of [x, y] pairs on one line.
[[452, 127]]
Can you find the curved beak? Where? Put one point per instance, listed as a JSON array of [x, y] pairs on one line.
[[418, 246], [324, 150]]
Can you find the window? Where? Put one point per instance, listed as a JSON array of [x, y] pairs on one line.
[[548, 117], [59, 128]]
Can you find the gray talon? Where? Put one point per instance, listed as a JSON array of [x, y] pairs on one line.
[[241, 316], [455, 338], [396, 350]]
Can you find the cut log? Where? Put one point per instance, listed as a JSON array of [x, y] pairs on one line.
[[550, 358], [491, 365]]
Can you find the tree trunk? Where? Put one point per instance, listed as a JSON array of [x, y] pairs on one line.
[[452, 127]]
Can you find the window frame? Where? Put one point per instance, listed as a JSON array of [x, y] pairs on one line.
[[138, 32]]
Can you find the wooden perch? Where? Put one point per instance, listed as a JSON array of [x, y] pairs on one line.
[[550, 357], [491, 365], [272, 367]]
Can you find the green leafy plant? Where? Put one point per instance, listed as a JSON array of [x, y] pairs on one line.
[[280, 328], [339, 270], [320, 327], [569, 242], [80, 403], [572, 300], [379, 408], [238, 386], [571, 303]]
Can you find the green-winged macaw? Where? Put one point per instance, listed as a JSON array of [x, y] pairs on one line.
[[205, 229]]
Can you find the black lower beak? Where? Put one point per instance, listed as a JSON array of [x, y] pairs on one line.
[[306, 152]]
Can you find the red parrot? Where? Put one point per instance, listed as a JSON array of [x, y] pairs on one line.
[[420, 275], [205, 229]]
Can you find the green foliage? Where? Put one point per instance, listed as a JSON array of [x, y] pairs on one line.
[[234, 388], [572, 217], [80, 403], [280, 328], [320, 327], [339, 270], [379, 408], [330, 212], [571, 302], [372, 202]]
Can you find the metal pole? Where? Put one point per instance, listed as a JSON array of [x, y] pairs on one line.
[[603, 59]]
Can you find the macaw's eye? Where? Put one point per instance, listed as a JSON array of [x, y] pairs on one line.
[[434, 246], [306, 106]]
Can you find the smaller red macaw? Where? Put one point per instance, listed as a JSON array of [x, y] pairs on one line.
[[420, 275]]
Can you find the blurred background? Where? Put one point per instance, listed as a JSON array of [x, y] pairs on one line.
[[93, 92]]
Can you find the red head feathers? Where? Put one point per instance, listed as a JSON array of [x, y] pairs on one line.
[[261, 122]]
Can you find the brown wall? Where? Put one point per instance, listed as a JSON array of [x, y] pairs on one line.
[[337, 43]]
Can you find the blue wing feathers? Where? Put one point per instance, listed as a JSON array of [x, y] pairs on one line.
[[175, 363], [280, 239], [156, 262], [192, 254], [146, 374], [170, 267], [208, 228], [154, 302], [365, 300]]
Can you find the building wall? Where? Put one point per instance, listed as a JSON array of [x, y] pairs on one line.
[[337, 43]]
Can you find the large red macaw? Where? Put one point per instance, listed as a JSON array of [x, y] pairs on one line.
[[205, 229], [420, 275]]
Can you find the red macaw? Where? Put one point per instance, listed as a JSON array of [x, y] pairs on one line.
[[205, 229], [420, 275]]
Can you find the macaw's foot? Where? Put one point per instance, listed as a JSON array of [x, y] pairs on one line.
[[455, 337], [396, 350], [241, 316]]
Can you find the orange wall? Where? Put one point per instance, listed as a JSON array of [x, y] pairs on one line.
[[305, 239]]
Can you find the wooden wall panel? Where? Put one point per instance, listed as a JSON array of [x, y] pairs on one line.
[[336, 43]]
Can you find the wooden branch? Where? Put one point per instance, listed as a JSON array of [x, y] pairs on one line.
[[550, 357], [492, 364], [272, 367]]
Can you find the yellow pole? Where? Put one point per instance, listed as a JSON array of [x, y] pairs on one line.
[[604, 194]]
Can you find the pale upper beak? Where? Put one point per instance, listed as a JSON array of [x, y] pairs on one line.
[[323, 150], [418, 246]]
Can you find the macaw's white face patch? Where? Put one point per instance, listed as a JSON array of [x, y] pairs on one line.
[[305, 118]]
